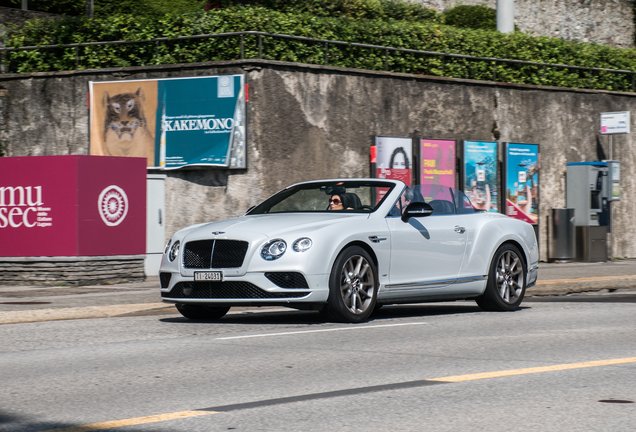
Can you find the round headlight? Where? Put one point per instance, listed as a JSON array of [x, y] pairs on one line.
[[174, 251], [273, 249], [167, 246], [302, 244]]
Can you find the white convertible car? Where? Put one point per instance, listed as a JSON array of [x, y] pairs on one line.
[[347, 246]]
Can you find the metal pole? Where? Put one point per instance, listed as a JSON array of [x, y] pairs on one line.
[[90, 8], [506, 16], [25, 4], [242, 48], [260, 46], [611, 157]]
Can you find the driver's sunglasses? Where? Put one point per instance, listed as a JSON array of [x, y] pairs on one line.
[[336, 201]]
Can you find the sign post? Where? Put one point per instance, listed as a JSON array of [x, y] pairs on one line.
[[614, 123]]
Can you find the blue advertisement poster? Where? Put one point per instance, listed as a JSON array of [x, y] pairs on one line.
[[174, 123], [481, 181], [522, 181]]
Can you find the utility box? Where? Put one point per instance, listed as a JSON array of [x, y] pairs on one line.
[[586, 193]]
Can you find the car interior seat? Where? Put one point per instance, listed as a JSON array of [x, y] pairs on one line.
[[442, 207], [353, 200]]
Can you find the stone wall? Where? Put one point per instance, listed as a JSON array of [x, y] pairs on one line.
[[309, 122], [607, 22], [57, 271]]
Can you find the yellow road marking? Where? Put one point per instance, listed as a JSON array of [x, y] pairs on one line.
[[513, 372], [132, 421], [449, 379]]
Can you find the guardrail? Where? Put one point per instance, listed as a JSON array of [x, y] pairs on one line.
[[626, 78]]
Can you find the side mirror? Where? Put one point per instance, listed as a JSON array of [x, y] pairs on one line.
[[416, 209]]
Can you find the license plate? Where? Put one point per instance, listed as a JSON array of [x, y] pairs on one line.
[[216, 276]]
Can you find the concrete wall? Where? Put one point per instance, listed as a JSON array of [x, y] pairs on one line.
[[310, 122], [608, 22]]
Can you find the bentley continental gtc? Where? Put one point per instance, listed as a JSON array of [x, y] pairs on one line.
[[345, 247]]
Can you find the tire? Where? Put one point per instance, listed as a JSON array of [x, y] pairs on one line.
[[201, 312], [353, 287], [506, 281]]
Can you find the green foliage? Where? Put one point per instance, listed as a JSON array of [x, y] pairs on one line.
[[419, 35], [61, 7], [473, 17]]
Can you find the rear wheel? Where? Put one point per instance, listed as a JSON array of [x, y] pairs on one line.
[[352, 287], [506, 281], [201, 312]]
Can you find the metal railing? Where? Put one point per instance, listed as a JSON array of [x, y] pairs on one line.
[[541, 68]]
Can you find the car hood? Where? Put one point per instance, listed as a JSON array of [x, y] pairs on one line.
[[269, 225]]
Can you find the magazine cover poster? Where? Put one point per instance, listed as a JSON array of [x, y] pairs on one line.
[[123, 119], [173, 122], [394, 159], [437, 162], [522, 181], [480, 174]]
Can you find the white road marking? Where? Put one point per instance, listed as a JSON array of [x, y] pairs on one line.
[[319, 331]]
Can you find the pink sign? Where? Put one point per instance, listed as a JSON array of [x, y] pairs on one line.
[[72, 206], [437, 162]]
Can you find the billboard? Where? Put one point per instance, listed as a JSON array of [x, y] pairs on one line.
[[480, 177], [521, 167], [173, 123], [72, 206], [437, 162], [393, 160]]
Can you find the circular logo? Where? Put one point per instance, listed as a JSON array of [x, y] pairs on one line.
[[225, 81], [113, 205]]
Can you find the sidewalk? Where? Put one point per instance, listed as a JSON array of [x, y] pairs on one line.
[[33, 304]]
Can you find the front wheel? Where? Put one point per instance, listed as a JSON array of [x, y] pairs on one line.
[[506, 281], [201, 312], [352, 286]]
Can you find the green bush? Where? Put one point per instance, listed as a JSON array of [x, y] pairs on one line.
[[426, 36], [473, 17]]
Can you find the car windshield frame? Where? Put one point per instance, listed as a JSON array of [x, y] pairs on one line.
[[376, 188]]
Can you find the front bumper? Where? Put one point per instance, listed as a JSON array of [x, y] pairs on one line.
[[250, 289]]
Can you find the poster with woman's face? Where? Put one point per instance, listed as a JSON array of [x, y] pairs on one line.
[[481, 182], [394, 159], [522, 181]]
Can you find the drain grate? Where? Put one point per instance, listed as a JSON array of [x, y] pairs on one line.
[[25, 303], [623, 401]]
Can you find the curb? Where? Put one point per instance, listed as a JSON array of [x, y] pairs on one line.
[[559, 287]]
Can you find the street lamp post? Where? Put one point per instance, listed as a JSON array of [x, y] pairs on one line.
[[506, 16]]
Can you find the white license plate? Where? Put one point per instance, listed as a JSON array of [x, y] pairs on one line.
[[216, 276]]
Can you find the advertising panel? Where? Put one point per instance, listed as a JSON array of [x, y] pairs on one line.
[[438, 162], [173, 123], [72, 206], [394, 159], [480, 178], [521, 163]]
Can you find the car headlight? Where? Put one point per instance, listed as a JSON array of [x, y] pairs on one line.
[[273, 250], [174, 251], [302, 244], [167, 246]]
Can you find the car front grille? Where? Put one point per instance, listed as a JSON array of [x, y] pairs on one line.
[[202, 254], [225, 290], [287, 279]]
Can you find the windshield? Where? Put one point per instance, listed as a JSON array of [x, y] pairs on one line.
[[443, 199], [341, 196]]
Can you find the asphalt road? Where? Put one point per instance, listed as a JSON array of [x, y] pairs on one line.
[[551, 366]]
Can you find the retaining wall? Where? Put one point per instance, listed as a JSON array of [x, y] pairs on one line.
[[309, 122]]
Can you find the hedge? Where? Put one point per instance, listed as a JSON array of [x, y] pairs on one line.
[[428, 36]]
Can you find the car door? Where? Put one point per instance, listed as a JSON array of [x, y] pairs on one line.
[[426, 252]]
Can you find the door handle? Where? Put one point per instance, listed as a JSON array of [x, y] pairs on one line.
[[160, 223], [460, 229]]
